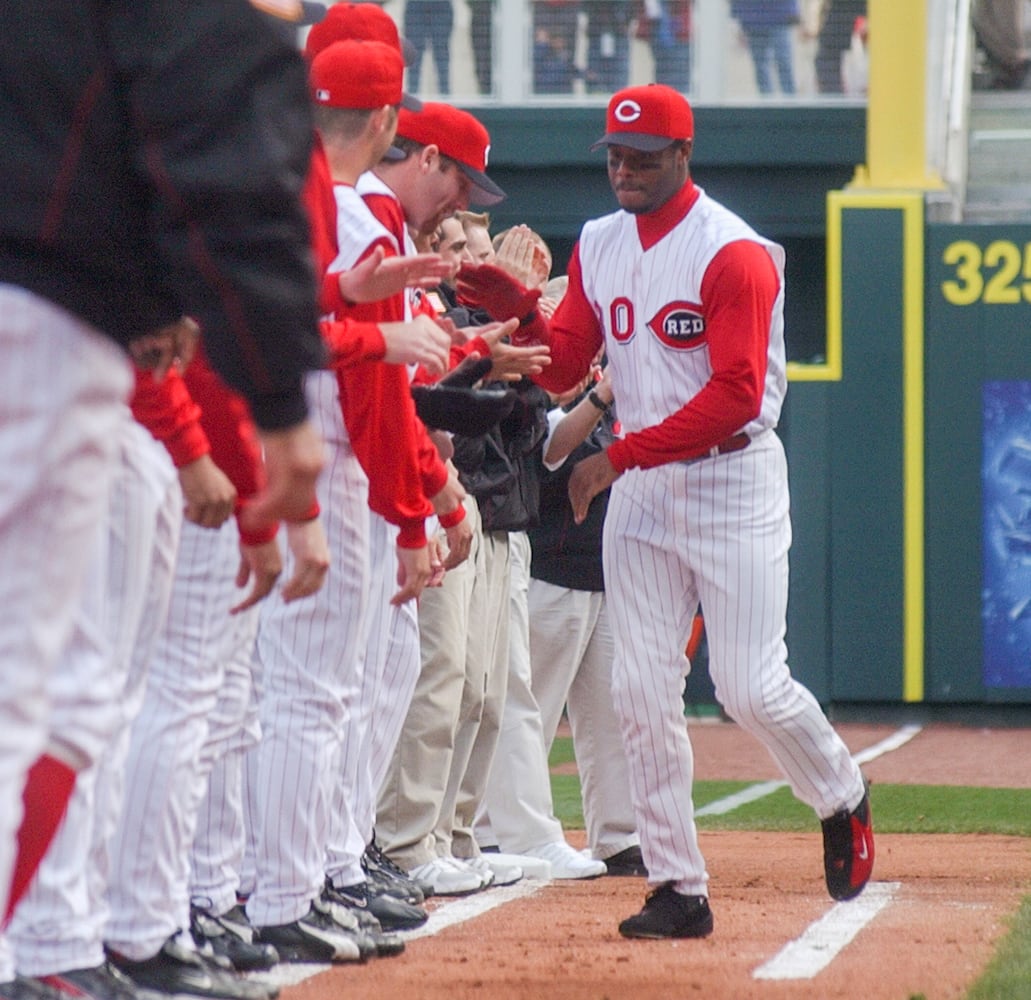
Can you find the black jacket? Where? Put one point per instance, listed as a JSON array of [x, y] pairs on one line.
[[152, 154], [565, 553], [501, 469]]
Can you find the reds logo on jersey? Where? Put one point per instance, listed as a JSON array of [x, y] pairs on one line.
[[680, 325]]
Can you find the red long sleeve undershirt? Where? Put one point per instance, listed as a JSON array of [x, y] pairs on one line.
[[349, 343]]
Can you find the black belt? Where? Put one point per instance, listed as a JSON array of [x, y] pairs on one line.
[[735, 443]]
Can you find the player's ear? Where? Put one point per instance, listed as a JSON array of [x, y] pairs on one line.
[[429, 157]]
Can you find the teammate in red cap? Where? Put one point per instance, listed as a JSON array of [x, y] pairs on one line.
[[350, 342], [687, 301]]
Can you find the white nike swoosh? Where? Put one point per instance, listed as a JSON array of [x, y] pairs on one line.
[[343, 946], [864, 853]]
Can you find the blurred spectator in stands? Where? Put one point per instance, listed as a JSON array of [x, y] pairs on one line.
[[768, 27], [837, 25], [479, 248], [666, 26], [481, 35], [429, 23], [999, 28], [554, 46], [608, 44]]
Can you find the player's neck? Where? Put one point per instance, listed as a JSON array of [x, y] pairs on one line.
[[348, 162], [653, 226]]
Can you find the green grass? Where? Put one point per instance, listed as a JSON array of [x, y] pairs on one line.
[[927, 809], [1009, 972], [896, 808]]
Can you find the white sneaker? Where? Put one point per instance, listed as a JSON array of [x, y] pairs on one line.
[[482, 872], [447, 878], [501, 871], [567, 862]]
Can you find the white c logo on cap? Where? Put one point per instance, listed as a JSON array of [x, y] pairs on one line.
[[627, 111], [486, 156]]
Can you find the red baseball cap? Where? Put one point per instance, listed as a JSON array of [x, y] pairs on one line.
[[358, 21], [354, 74], [458, 135], [648, 118]]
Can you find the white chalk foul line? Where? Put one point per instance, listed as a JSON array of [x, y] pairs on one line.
[[447, 914], [753, 793], [821, 942], [459, 910]]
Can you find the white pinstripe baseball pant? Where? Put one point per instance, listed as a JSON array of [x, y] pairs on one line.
[[60, 923], [718, 531]]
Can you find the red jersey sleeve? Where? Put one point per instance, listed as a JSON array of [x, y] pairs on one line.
[[235, 447], [321, 207], [167, 410]]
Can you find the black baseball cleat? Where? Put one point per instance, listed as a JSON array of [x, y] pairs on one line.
[[393, 914], [627, 862], [388, 877], [326, 933], [21, 988], [848, 850], [230, 937], [179, 971], [669, 914], [102, 982]]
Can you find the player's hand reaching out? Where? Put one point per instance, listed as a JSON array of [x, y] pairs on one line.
[[421, 341], [488, 287], [590, 477], [379, 276], [209, 496], [260, 565], [522, 256], [511, 363]]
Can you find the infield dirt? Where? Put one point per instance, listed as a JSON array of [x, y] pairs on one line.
[[561, 942]]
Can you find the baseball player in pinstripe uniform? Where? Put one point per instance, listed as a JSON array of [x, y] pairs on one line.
[[688, 303], [96, 256]]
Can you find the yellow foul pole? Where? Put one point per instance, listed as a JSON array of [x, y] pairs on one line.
[[896, 132]]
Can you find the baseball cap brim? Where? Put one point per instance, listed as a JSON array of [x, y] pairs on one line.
[[484, 191], [411, 102], [635, 140], [393, 154]]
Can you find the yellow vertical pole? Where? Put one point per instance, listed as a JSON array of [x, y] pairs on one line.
[[896, 132]]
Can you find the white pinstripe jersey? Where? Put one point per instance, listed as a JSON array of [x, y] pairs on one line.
[[650, 308], [371, 183], [357, 229]]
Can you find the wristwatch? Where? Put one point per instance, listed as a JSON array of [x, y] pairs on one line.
[[597, 401]]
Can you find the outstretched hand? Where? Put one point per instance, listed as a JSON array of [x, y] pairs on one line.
[[511, 363], [379, 276], [495, 291], [522, 256], [420, 341]]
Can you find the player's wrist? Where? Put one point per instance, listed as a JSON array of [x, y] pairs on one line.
[[597, 402]]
